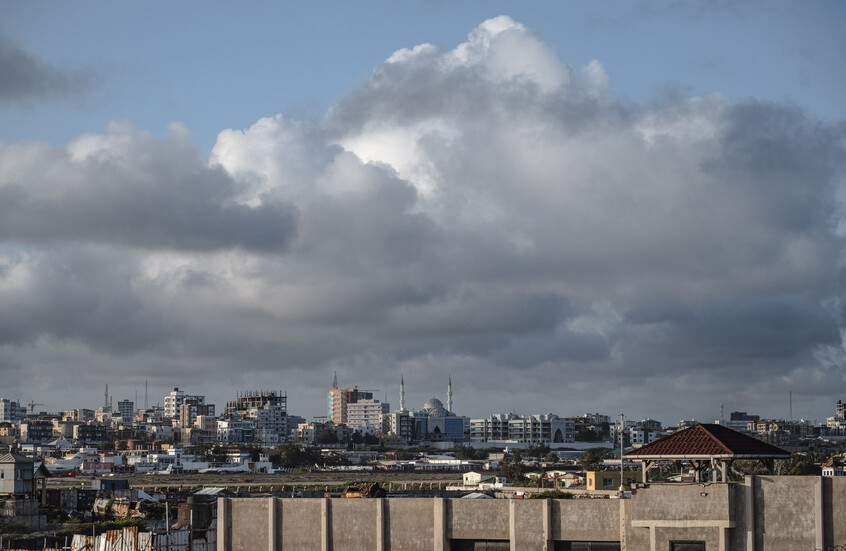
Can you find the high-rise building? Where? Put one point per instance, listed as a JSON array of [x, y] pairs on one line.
[[11, 411], [126, 408], [366, 415], [267, 410], [738, 420], [175, 398], [339, 398], [191, 409]]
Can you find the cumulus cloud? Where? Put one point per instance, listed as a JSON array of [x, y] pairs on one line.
[[25, 79], [125, 187], [483, 210]]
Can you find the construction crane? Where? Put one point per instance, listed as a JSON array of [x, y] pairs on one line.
[[32, 407]]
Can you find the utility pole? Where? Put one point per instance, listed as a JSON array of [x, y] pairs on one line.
[[791, 406], [622, 472]]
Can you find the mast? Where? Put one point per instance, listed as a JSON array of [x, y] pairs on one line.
[[402, 394], [449, 395]]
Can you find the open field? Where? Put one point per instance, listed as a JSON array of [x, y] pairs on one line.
[[415, 479]]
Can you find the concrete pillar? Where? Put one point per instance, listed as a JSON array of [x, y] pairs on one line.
[[818, 495], [512, 525], [272, 511], [325, 523], [223, 513], [380, 524], [547, 525], [749, 483], [439, 510]]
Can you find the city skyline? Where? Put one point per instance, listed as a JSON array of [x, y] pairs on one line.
[[568, 207], [392, 398]]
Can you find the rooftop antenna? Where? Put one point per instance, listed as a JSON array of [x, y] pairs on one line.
[[622, 473], [722, 418], [791, 406], [106, 397], [402, 394], [146, 405]]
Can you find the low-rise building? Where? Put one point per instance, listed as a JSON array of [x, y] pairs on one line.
[[90, 434], [17, 477], [833, 467], [609, 480], [36, 430]]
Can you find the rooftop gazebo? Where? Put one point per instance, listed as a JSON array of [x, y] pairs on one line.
[[705, 446]]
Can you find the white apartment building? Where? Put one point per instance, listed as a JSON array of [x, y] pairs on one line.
[[400, 423], [366, 415], [305, 433], [267, 410], [531, 429], [11, 411], [174, 400], [235, 431], [493, 427]]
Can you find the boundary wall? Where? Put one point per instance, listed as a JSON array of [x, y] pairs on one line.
[[761, 513]]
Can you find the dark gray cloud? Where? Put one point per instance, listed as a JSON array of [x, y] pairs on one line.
[[26, 80], [126, 188], [486, 211]]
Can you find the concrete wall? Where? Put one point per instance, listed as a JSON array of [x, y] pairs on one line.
[[771, 513], [834, 505], [788, 512]]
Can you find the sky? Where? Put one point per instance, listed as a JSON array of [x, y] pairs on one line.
[[567, 207]]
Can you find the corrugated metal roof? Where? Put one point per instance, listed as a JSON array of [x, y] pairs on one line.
[[708, 440], [210, 491]]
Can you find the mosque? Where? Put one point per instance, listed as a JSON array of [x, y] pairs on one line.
[[433, 422]]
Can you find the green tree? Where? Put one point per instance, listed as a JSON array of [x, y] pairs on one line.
[[325, 435], [512, 468], [539, 451], [590, 459]]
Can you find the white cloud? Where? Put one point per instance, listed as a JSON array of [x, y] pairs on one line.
[[476, 211]]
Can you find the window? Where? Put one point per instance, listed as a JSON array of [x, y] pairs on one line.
[[687, 546], [607, 482], [587, 546]]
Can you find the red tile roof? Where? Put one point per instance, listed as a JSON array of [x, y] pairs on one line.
[[707, 440]]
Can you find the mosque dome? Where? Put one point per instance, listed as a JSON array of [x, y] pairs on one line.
[[435, 407]]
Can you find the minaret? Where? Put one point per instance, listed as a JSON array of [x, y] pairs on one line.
[[402, 394], [449, 395]]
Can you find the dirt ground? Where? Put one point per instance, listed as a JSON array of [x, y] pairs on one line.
[[415, 479]]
